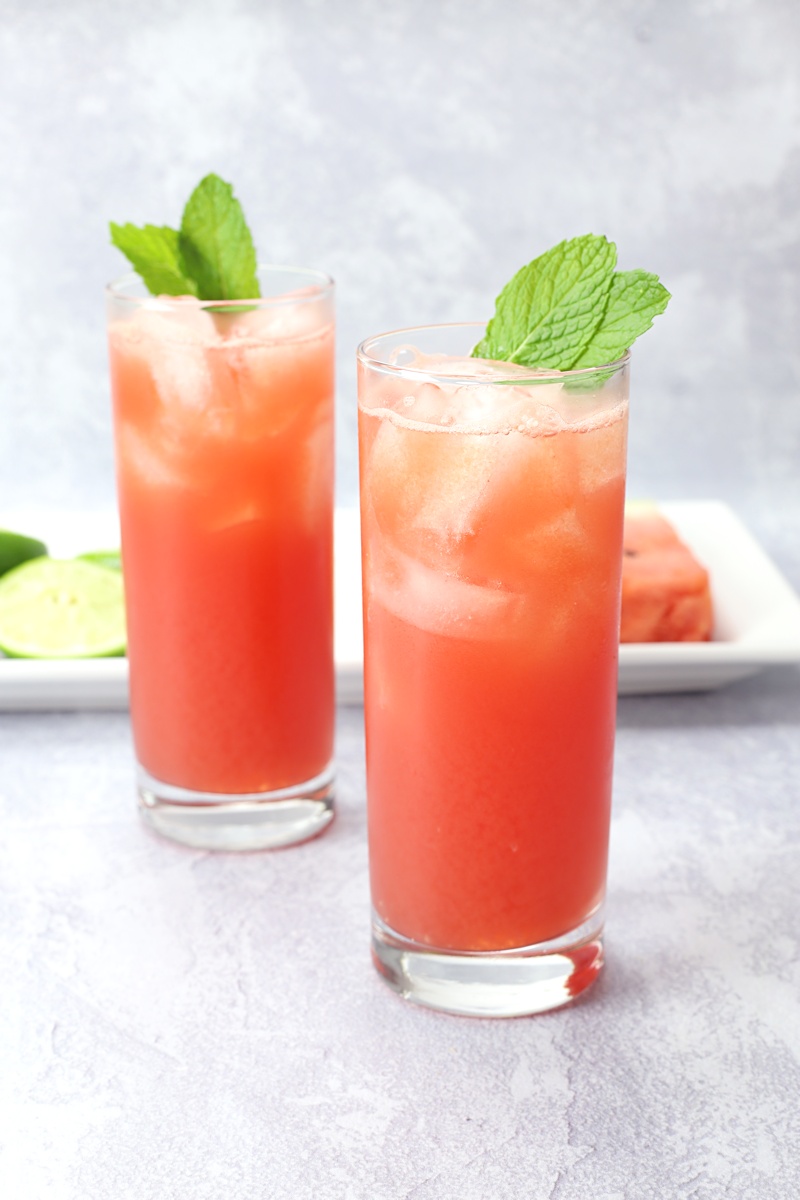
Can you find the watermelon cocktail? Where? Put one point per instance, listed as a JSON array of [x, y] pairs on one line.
[[492, 509], [223, 416]]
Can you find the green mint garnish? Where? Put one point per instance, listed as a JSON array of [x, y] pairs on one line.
[[154, 252], [635, 298], [570, 308], [212, 256], [548, 312], [216, 244]]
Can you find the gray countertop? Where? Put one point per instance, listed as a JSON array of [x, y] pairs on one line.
[[177, 1024]]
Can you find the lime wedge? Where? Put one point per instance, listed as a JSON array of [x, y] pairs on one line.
[[61, 608], [16, 548], [110, 559]]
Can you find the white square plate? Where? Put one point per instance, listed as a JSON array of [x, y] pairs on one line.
[[757, 616]]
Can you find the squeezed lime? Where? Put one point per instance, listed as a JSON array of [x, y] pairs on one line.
[[62, 608]]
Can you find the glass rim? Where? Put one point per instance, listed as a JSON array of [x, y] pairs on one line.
[[364, 355], [319, 284]]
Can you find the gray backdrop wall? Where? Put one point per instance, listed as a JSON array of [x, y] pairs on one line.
[[420, 152]]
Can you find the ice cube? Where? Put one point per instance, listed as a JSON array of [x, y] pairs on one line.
[[181, 375], [532, 486], [420, 480], [426, 404], [169, 319], [378, 393], [172, 342], [276, 322], [600, 451], [435, 601], [147, 460], [275, 385]]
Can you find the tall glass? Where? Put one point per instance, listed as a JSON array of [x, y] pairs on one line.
[[223, 423], [491, 510]]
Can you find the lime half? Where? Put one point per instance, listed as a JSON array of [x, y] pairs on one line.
[[61, 608], [16, 548]]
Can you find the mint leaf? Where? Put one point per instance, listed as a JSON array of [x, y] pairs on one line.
[[635, 299], [216, 244], [154, 252], [212, 257], [549, 311]]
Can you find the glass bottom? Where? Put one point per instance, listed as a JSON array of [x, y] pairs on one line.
[[251, 821], [505, 983]]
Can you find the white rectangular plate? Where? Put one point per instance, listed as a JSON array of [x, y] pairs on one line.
[[756, 612], [757, 616]]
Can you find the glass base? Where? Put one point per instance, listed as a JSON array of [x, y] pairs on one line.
[[506, 983], [251, 821]]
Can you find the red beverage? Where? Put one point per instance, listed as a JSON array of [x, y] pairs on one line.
[[492, 530], [224, 447]]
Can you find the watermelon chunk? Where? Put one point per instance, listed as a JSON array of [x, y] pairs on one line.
[[665, 591]]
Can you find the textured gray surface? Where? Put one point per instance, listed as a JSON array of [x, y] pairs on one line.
[[181, 1025], [420, 153]]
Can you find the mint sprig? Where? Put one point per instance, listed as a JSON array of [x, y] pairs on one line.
[[212, 256], [570, 308]]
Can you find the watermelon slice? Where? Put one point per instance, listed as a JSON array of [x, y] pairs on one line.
[[665, 590]]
